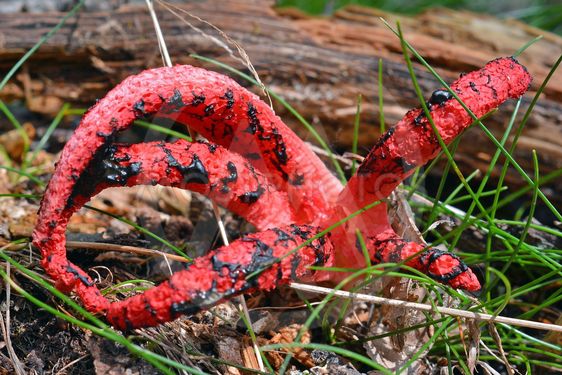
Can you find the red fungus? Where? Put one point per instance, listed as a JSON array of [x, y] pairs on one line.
[[206, 168], [222, 274], [267, 175]]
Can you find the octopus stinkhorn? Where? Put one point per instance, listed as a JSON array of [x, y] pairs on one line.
[[255, 166]]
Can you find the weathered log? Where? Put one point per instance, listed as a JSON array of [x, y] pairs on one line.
[[319, 65]]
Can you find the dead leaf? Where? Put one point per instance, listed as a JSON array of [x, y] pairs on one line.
[[13, 142], [113, 359], [474, 344], [287, 335], [18, 217]]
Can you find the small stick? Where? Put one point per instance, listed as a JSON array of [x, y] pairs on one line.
[[424, 307], [159, 35]]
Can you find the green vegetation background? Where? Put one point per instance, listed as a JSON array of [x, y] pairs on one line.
[[544, 14]]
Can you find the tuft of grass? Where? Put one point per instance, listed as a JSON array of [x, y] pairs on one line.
[[504, 286]]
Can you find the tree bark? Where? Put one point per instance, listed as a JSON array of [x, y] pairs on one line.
[[320, 65]]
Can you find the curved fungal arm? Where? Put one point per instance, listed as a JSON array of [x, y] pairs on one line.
[[383, 245], [412, 142], [409, 144], [214, 106], [264, 172], [202, 167], [224, 273], [205, 168], [445, 267]]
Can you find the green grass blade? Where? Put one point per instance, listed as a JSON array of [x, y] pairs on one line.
[[16, 124], [142, 230], [25, 174], [382, 125], [54, 124], [527, 45], [356, 123], [162, 129]]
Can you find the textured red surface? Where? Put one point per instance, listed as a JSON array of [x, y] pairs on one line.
[[222, 274], [442, 266], [263, 172], [224, 176], [411, 143]]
